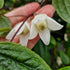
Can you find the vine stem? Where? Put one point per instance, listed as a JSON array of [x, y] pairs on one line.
[[24, 22]]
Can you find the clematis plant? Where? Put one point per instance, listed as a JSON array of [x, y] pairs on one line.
[[43, 24], [24, 33], [47, 9]]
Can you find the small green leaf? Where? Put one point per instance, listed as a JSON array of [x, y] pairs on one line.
[[53, 41], [63, 9], [5, 25], [64, 57], [1, 3], [16, 57], [65, 68], [67, 46], [43, 51]]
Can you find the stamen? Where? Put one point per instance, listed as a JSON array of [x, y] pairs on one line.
[[25, 31], [41, 25]]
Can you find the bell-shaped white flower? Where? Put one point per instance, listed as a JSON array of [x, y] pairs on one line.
[[43, 24], [24, 33]]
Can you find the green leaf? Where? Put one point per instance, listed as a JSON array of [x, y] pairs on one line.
[[16, 57], [43, 51], [63, 9], [5, 25], [53, 41], [67, 46], [64, 57], [65, 68], [1, 3]]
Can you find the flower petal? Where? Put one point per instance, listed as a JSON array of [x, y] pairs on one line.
[[45, 36], [53, 25], [24, 39], [38, 18], [22, 28], [33, 31], [13, 31]]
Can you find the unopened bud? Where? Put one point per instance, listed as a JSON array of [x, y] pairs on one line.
[[59, 61], [65, 37]]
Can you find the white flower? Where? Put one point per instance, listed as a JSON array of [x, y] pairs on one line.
[[43, 24], [24, 33]]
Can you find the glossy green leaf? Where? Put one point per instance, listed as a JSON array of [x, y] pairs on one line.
[[5, 25], [16, 57], [64, 57], [1, 3], [63, 9], [65, 68]]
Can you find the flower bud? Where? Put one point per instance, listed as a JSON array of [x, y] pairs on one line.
[[59, 61], [65, 37]]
